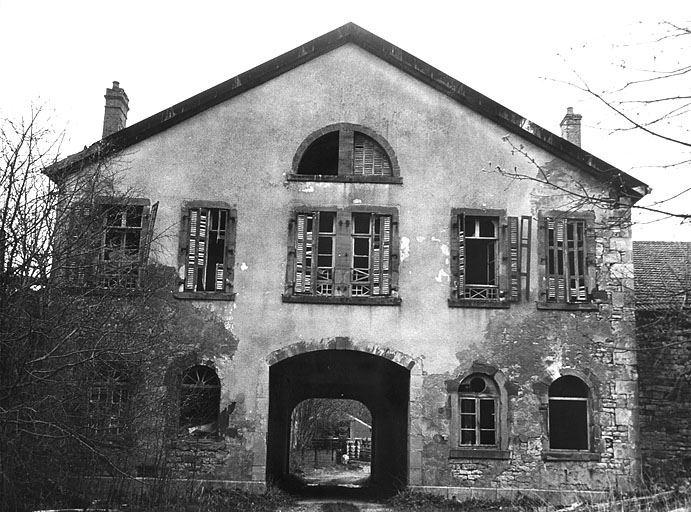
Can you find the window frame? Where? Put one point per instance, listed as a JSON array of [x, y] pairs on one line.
[[109, 380], [511, 260], [346, 153], [228, 251], [495, 380], [589, 266], [211, 393], [343, 248], [589, 453], [86, 268]]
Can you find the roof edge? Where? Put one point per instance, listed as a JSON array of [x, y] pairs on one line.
[[350, 32]]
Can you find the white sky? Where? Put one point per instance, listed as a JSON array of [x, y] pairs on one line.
[[65, 53]]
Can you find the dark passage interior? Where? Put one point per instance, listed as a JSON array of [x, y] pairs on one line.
[[381, 385]]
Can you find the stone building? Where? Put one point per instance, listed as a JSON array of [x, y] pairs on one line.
[[346, 221], [663, 318]]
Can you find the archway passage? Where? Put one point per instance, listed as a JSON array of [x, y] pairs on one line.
[[382, 385]]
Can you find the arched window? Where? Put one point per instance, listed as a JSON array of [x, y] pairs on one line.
[[200, 397], [109, 399], [346, 152], [478, 404], [569, 405]]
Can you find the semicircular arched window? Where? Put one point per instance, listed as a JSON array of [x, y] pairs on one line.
[[569, 404], [200, 397], [346, 152]]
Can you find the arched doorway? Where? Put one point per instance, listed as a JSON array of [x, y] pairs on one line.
[[382, 385]]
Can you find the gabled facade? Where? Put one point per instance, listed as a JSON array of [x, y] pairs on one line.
[[334, 212]]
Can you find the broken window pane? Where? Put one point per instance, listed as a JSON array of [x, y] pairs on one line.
[[200, 396], [206, 252], [109, 397], [119, 257], [478, 245]]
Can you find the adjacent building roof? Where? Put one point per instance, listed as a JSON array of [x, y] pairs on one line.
[[351, 33], [662, 275]]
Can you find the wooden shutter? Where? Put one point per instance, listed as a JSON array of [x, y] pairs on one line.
[[514, 261], [146, 249], [566, 260], [524, 256], [196, 250], [461, 255], [369, 158], [556, 280], [381, 256], [575, 261], [304, 243], [80, 243]]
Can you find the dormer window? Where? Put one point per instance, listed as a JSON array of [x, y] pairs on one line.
[[345, 153]]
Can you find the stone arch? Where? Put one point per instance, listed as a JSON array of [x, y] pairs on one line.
[[337, 127], [341, 343], [378, 377]]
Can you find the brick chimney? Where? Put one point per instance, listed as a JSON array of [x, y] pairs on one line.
[[117, 105], [571, 127]]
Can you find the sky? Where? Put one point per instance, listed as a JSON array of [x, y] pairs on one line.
[[63, 55]]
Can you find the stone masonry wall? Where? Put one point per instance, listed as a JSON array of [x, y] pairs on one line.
[[665, 394]]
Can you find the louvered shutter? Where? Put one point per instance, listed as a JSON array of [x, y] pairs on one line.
[[79, 250], [369, 158], [514, 261], [381, 256], [556, 280], [461, 255], [304, 244], [524, 256], [196, 251]]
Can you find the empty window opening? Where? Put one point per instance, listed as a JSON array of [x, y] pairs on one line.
[[478, 256], [120, 247], [568, 414], [331, 443], [478, 400], [344, 152], [200, 395], [321, 157], [109, 399]]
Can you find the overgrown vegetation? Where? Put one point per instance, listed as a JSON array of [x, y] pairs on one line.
[[424, 502]]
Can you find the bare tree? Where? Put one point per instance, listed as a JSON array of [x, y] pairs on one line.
[[77, 338], [644, 94]]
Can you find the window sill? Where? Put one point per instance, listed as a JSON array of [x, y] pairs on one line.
[[478, 303], [352, 301], [479, 453], [204, 296], [568, 306], [349, 178], [570, 455]]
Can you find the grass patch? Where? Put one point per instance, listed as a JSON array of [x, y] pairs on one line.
[[339, 507], [221, 500], [416, 501]]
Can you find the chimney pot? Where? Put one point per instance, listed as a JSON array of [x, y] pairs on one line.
[[117, 106], [571, 127]]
